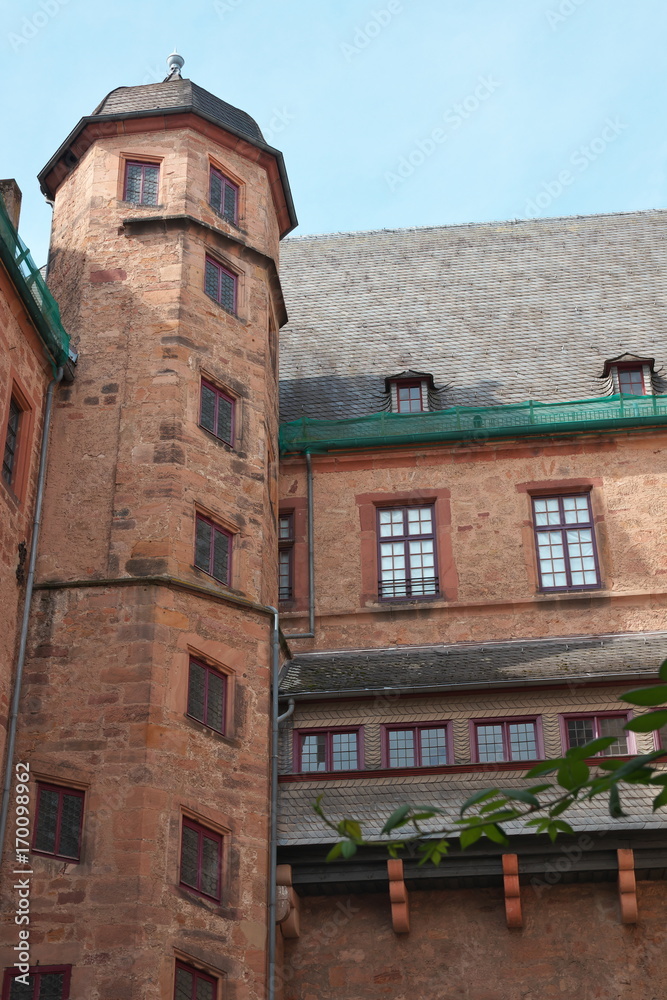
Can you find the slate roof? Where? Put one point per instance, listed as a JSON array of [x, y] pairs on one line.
[[182, 94], [465, 664], [504, 311]]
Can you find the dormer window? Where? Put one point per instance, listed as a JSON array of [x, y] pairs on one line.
[[631, 381], [631, 375], [411, 392], [410, 397]]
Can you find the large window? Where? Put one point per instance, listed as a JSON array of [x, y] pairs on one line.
[[565, 539], [221, 285], [201, 859], [192, 984], [58, 822], [328, 750], [224, 196], [207, 696], [407, 553], [505, 740], [416, 746], [216, 412], [286, 556], [141, 183], [213, 549], [11, 442], [45, 982], [580, 730]]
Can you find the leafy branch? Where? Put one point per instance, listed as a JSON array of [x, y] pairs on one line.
[[539, 807]]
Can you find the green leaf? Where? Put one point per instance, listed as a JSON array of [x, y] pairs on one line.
[[502, 816], [647, 695], [492, 806], [662, 673], [538, 789], [495, 834], [397, 818], [592, 748], [572, 774], [660, 800], [520, 795], [350, 828], [348, 848], [609, 765], [335, 852], [468, 837], [647, 723], [482, 796], [560, 807], [615, 809], [562, 826], [544, 767]]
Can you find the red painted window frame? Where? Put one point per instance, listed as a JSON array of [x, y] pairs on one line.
[[329, 731], [410, 383], [564, 735], [406, 538], [219, 394], [225, 183], [506, 722], [196, 974], [416, 728], [218, 673], [628, 367], [62, 791], [202, 831], [286, 545], [223, 270], [562, 527], [16, 453], [38, 971], [143, 164], [222, 531]]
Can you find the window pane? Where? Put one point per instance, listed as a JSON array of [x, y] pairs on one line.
[[151, 175], [47, 820], [579, 732], [314, 752], [285, 527], [401, 747], [21, 991], [614, 727], [547, 511], [184, 984], [227, 291], [433, 747], [490, 743], [220, 556], [133, 182], [208, 399], [582, 560], [70, 825], [210, 872], [230, 203], [216, 191], [203, 545], [576, 510], [284, 574], [391, 523], [420, 521], [216, 701], [51, 986], [551, 555], [196, 690], [189, 856], [523, 745], [344, 751], [205, 989], [631, 382], [212, 279], [225, 410], [10, 441]]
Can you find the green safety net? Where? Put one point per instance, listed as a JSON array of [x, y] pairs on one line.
[[473, 424], [33, 290]]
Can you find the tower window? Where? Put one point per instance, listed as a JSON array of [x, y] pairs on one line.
[[221, 285], [286, 556], [410, 397], [407, 553], [224, 196], [213, 549], [565, 540], [631, 381], [216, 412], [141, 183], [58, 822], [11, 442], [207, 696], [45, 982], [191, 984], [201, 859]]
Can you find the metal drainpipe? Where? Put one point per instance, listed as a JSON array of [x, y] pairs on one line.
[[14, 713], [310, 634]]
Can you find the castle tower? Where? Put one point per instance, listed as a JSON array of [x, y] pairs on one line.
[[145, 710]]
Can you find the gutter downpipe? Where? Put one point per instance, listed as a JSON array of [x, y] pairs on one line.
[[310, 634], [23, 641]]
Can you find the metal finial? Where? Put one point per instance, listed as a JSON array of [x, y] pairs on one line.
[[175, 63]]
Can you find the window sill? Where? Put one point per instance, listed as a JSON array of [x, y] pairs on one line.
[[205, 730]]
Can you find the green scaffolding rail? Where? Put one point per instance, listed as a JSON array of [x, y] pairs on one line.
[[474, 424], [32, 288]]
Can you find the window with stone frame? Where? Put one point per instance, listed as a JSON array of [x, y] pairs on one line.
[[141, 182], [581, 729], [44, 982], [318, 750], [217, 412], [58, 822], [504, 740], [201, 859], [221, 284], [10, 456], [406, 553], [286, 556], [213, 549], [193, 984], [565, 543], [224, 196], [207, 696], [423, 745]]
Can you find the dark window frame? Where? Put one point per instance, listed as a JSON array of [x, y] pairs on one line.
[[202, 831], [13, 450], [627, 367], [62, 790], [37, 971], [563, 527], [225, 694], [329, 731], [211, 566], [144, 164], [565, 717], [286, 548], [219, 394], [196, 974], [506, 722], [225, 183], [222, 269], [416, 728], [410, 383], [406, 538]]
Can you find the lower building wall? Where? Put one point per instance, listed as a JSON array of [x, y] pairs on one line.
[[572, 944]]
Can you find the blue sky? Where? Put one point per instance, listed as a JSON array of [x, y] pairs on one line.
[[395, 113]]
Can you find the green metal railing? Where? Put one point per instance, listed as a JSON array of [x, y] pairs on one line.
[[474, 424], [32, 288]]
